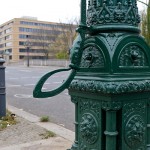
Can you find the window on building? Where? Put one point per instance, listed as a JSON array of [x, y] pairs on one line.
[[1, 45], [8, 30], [21, 43], [38, 24], [23, 50], [8, 37], [33, 30], [8, 44], [21, 57], [9, 50], [1, 52], [10, 57]]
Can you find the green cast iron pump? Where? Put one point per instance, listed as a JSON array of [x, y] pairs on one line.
[[109, 81]]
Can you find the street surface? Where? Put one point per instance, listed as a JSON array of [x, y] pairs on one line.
[[20, 82]]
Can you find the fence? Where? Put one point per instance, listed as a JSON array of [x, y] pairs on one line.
[[42, 62]]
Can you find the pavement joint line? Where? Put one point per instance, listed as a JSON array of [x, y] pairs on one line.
[[57, 129]]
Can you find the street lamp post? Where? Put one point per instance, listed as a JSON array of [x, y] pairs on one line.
[[28, 45]]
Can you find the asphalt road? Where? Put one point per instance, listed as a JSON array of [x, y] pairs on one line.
[[20, 82]]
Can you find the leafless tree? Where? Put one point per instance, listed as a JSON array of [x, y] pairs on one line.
[[57, 39], [45, 38], [65, 40]]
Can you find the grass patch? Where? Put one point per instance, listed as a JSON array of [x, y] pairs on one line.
[[48, 134], [7, 120], [44, 119]]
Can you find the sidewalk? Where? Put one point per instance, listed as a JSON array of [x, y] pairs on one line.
[[63, 140]]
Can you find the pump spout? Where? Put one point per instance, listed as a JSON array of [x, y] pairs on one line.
[[76, 53], [37, 93], [74, 66]]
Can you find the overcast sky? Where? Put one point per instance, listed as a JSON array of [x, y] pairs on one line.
[[44, 10]]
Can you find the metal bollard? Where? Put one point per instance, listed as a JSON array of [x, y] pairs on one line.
[[2, 89]]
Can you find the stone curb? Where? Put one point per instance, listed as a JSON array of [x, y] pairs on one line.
[[56, 143], [58, 130]]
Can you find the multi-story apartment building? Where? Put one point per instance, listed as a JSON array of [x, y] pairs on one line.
[[14, 34]]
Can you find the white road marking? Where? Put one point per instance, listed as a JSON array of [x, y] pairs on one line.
[[23, 96], [13, 85], [25, 77], [35, 77], [57, 82], [29, 84], [22, 78], [12, 78], [25, 70], [66, 94], [47, 83]]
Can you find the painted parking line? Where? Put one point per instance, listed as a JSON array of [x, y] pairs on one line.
[[12, 78]]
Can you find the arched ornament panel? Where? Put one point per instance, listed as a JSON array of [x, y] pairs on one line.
[[95, 57], [132, 53]]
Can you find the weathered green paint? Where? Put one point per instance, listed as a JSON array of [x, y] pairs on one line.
[[110, 79]]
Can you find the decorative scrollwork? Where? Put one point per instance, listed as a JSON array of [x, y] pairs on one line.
[[133, 56], [111, 105], [89, 128], [89, 104], [83, 147], [134, 132], [111, 12], [92, 58], [110, 87]]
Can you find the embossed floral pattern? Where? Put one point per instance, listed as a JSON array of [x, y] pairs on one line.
[[92, 58], [89, 128], [134, 131], [132, 55], [110, 12], [110, 87]]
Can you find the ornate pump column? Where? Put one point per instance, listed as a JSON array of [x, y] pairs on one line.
[[110, 78], [113, 15], [112, 86]]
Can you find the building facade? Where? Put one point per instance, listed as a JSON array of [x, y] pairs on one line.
[[15, 33]]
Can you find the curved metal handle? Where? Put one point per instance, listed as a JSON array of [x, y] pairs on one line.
[[37, 92]]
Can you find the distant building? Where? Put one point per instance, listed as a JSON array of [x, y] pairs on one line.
[[14, 34]]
